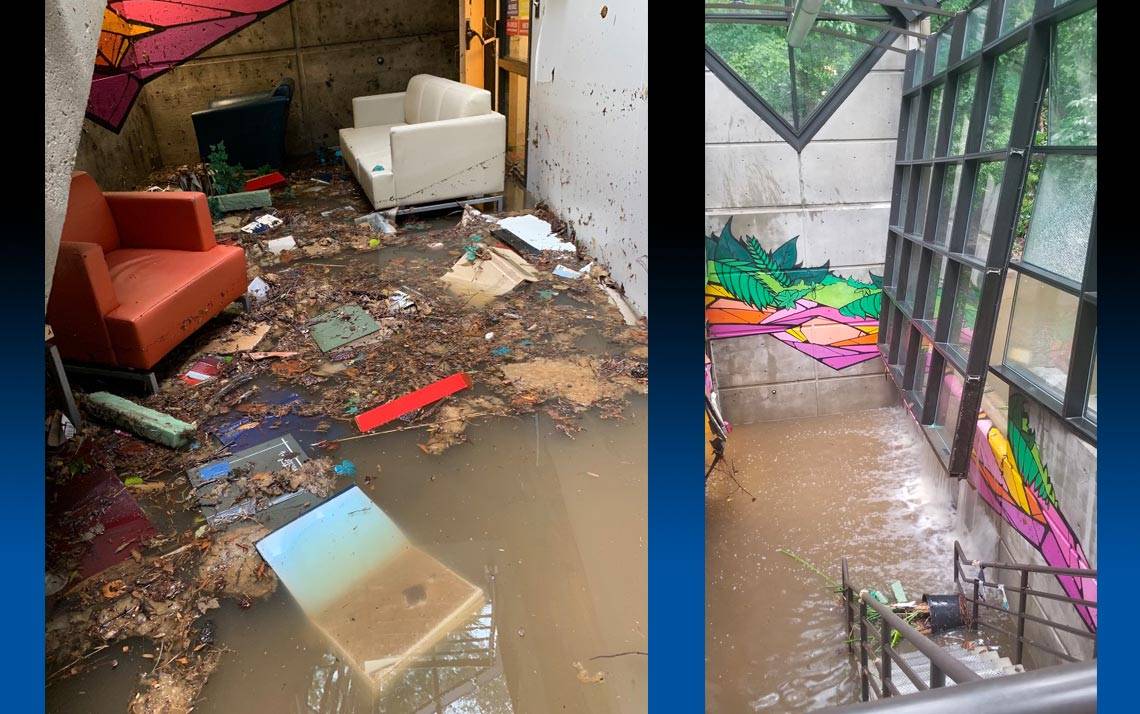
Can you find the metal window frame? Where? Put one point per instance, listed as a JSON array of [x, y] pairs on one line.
[[801, 137], [904, 237]]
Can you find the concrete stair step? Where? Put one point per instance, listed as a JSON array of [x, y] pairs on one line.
[[987, 663]]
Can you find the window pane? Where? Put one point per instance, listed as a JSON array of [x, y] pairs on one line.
[[934, 290], [912, 128], [1014, 14], [759, 55], [932, 121], [1041, 334], [947, 204], [896, 269], [983, 207], [949, 402], [922, 371], [942, 53], [1090, 403], [919, 55], [822, 61], [904, 196], [966, 298], [975, 29], [921, 201], [1072, 82], [963, 105], [1003, 97], [1062, 216], [912, 276], [904, 341]]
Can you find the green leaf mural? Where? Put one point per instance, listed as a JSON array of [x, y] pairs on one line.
[[764, 262], [812, 276], [786, 299], [785, 255], [1023, 443], [867, 306], [737, 277]]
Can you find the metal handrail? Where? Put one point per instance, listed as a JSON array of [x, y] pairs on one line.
[[942, 665], [1061, 689], [960, 557], [1023, 589]]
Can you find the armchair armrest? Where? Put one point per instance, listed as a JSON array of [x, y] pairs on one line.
[[378, 109], [430, 153], [81, 296], [178, 220]]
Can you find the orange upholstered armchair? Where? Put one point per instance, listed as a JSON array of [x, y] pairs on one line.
[[137, 274]]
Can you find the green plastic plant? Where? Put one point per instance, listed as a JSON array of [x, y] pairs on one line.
[[225, 178]]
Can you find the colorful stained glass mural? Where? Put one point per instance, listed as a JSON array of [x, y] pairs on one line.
[[752, 291], [143, 39], [1007, 470]]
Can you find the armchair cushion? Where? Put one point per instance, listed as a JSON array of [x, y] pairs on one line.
[[81, 294], [379, 109], [173, 220], [464, 155], [89, 218], [165, 295], [432, 98]]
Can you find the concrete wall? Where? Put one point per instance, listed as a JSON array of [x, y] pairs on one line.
[[836, 196], [334, 49], [589, 121], [71, 34]]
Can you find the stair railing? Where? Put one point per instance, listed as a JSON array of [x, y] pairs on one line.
[[877, 678], [1024, 592]]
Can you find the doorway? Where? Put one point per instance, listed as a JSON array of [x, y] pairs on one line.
[[495, 37]]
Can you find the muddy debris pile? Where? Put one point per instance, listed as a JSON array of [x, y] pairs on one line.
[[161, 597], [345, 316]]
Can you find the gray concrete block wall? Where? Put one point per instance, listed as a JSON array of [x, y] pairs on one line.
[[333, 49], [835, 195]]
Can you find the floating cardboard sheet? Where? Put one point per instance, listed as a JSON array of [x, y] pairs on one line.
[[240, 342], [220, 505], [497, 276], [341, 326], [535, 232], [381, 600]]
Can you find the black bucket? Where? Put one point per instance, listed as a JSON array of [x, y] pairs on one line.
[[945, 612]]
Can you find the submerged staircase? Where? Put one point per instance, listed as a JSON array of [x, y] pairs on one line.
[[987, 664], [886, 671]]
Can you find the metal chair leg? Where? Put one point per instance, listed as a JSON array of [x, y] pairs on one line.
[[65, 387]]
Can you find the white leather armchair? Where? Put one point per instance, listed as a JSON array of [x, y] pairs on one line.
[[438, 140]]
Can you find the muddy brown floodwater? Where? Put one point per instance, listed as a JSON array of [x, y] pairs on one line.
[[553, 529], [826, 487]]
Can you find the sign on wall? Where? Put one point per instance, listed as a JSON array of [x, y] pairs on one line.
[[518, 18], [140, 41]]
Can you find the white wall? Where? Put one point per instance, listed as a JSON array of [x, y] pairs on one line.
[[71, 35], [589, 122], [835, 195]]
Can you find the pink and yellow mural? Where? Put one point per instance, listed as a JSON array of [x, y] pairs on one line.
[[1008, 473], [751, 291], [143, 39]]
